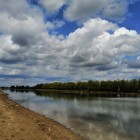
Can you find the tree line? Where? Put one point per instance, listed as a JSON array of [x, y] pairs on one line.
[[125, 86]]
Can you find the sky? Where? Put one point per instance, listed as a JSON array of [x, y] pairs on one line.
[[68, 40]]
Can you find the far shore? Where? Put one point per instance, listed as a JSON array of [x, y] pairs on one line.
[[19, 123]]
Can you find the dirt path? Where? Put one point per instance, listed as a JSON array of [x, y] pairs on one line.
[[18, 123]]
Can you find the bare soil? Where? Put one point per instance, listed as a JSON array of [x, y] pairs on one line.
[[19, 123]]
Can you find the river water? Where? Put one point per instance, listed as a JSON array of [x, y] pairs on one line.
[[93, 118]]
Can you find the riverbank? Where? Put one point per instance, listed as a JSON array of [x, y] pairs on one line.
[[19, 123]]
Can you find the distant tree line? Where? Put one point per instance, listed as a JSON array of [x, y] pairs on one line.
[[20, 87], [125, 86]]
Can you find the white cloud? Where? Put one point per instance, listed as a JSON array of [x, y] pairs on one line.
[[9, 52], [55, 24], [52, 6], [23, 31], [19, 9], [100, 46], [115, 10], [97, 50], [83, 10], [124, 31]]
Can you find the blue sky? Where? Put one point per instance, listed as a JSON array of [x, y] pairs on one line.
[[132, 21], [68, 40]]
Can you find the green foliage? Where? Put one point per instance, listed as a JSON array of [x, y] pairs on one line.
[[124, 86]]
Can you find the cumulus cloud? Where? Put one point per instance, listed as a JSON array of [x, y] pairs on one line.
[[83, 10], [86, 45], [19, 9], [23, 31], [9, 52], [96, 50], [94, 46], [115, 10], [80, 9], [52, 6]]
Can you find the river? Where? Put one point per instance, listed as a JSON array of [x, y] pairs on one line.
[[93, 118]]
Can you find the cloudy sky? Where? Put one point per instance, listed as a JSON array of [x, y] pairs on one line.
[[68, 40]]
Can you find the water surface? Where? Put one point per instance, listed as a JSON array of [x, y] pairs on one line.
[[94, 118]]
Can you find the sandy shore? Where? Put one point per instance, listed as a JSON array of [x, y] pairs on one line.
[[19, 123]]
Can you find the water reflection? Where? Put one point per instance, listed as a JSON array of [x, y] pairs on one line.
[[95, 118]]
